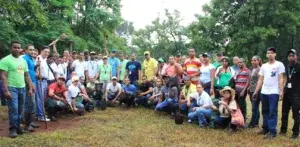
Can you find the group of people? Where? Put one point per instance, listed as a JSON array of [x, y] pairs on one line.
[[208, 93]]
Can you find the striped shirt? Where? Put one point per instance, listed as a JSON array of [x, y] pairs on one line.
[[242, 77], [191, 67]]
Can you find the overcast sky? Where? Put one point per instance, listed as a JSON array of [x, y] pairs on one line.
[[142, 12]]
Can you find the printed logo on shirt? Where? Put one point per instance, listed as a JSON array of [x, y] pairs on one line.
[[273, 73], [131, 67], [20, 69]]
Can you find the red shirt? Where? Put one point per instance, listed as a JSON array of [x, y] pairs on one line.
[[192, 66], [242, 76], [58, 90]]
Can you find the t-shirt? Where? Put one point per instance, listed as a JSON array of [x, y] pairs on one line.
[[129, 88], [111, 88], [188, 90], [145, 86], [216, 64], [169, 93], [115, 64], [253, 79], [271, 73], [73, 92], [192, 66], [223, 111], [203, 99], [133, 68], [224, 77], [123, 69], [157, 91], [235, 68], [58, 90], [15, 68], [149, 68], [170, 70], [242, 77], [80, 67], [45, 71], [30, 63], [205, 73], [105, 71], [92, 67]]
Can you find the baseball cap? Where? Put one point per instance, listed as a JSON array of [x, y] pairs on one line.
[[146, 52], [93, 52], [271, 49], [219, 54], [86, 51], [205, 55], [75, 78], [61, 77], [114, 78], [292, 51], [114, 50], [161, 60]]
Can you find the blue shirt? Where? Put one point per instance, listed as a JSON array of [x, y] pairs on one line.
[[129, 89], [115, 64], [30, 63], [133, 68]]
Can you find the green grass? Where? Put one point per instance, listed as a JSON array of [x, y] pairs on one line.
[[142, 127]]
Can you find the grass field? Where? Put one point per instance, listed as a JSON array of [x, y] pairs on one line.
[[141, 127]]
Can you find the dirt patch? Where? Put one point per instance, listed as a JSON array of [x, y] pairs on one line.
[[66, 122]]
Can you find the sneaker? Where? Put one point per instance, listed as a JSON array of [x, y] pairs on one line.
[[34, 125], [270, 136], [29, 128], [13, 133], [190, 121], [42, 119], [294, 136], [262, 132]]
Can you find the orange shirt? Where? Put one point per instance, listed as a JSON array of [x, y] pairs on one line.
[[192, 66]]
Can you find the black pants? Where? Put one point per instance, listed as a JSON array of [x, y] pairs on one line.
[[290, 100]]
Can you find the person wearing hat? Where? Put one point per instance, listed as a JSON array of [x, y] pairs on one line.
[[86, 55], [92, 68], [114, 63], [149, 66], [223, 75], [207, 74], [227, 106], [113, 90], [105, 72], [271, 85], [161, 67], [291, 95], [56, 97], [219, 58], [192, 66]]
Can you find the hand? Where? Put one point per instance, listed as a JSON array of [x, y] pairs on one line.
[[7, 95], [54, 42], [188, 103], [280, 95], [33, 88], [222, 103], [194, 109], [214, 107], [211, 92], [75, 109], [254, 96], [30, 92], [65, 101]]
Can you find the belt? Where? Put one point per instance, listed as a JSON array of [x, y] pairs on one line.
[[44, 78]]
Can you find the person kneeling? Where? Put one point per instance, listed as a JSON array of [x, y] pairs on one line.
[[227, 106], [128, 93], [144, 93], [203, 109], [113, 91], [56, 98]]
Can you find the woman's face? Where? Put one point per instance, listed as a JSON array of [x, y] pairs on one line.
[[226, 95], [158, 82], [254, 61], [225, 63]]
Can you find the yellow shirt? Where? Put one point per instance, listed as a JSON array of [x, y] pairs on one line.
[[149, 68], [187, 91]]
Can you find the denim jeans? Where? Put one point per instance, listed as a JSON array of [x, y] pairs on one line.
[[270, 112], [41, 91], [30, 105], [167, 105], [223, 122], [53, 103], [112, 95], [185, 109], [15, 106], [255, 110], [203, 116], [143, 100]]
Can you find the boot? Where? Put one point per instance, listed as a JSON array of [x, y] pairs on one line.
[[51, 112], [28, 121], [20, 131], [13, 133]]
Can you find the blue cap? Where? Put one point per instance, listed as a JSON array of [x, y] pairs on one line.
[[114, 50]]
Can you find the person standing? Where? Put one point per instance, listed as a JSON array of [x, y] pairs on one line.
[[235, 66], [122, 72], [207, 77], [92, 68], [192, 66], [80, 67], [105, 73], [149, 66], [271, 84], [133, 70], [14, 75], [173, 70], [219, 60], [114, 63], [291, 95]]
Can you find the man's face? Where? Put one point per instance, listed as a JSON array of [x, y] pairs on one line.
[[99, 56], [113, 54], [171, 60], [192, 52], [15, 49], [81, 56], [114, 81], [292, 57], [187, 82], [45, 53], [271, 55], [30, 51], [126, 81], [35, 54], [235, 60], [144, 80], [183, 58], [105, 60], [93, 56], [121, 57], [199, 88], [241, 63], [219, 58], [147, 56], [66, 53], [133, 57], [177, 59], [60, 82]]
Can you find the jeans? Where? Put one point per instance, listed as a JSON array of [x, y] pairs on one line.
[[255, 110], [15, 106], [185, 109], [53, 103], [143, 100], [41, 91], [270, 112], [290, 100], [112, 95], [167, 105], [223, 122], [30, 105], [79, 105], [203, 116]]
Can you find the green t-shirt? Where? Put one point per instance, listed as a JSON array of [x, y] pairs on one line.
[[105, 72], [123, 69], [216, 64], [15, 68]]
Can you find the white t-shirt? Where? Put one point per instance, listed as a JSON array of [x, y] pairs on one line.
[[271, 73], [72, 92], [45, 71], [203, 100], [92, 67], [205, 73], [111, 88], [100, 62], [80, 67]]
